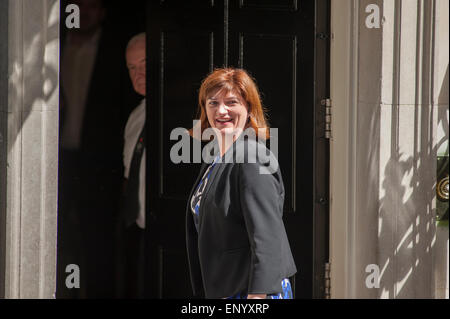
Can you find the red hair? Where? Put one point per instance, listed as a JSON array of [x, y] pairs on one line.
[[239, 82]]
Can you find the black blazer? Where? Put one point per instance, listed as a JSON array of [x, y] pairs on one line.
[[241, 245]]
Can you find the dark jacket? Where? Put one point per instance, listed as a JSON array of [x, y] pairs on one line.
[[241, 245]]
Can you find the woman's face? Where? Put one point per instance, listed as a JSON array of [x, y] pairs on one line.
[[226, 111]]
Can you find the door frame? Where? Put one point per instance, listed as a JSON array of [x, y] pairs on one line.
[[344, 23], [321, 152]]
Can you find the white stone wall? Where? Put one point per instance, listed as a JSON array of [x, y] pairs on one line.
[[31, 114], [389, 88], [407, 151], [3, 134]]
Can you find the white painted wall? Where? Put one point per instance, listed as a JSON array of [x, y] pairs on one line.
[[31, 113], [388, 97]]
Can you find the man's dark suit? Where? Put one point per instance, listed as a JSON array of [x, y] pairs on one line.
[[241, 245]]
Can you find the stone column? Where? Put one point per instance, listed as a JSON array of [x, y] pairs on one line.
[[29, 148], [387, 97], [3, 135], [407, 158]]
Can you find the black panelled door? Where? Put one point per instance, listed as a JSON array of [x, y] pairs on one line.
[[275, 42]]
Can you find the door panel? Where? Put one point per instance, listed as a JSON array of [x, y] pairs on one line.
[[184, 41], [274, 41], [279, 100], [272, 5], [186, 58]]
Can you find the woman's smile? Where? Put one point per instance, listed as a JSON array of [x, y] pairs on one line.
[[224, 122]]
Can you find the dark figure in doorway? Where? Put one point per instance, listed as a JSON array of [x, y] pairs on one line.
[[94, 89], [132, 223]]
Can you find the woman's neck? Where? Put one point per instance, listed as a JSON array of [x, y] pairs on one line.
[[227, 140]]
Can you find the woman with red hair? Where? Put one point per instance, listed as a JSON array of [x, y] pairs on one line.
[[236, 241]]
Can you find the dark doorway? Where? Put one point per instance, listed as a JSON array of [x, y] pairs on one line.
[[90, 165], [284, 45]]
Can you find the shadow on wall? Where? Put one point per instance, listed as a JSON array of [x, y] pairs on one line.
[[37, 65], [443, 113], [407, 210]]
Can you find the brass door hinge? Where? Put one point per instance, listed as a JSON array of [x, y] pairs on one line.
[[327, 104], [327, 280]]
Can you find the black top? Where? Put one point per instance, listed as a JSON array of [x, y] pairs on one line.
[[241, 243]]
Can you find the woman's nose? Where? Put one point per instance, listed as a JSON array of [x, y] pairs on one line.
[[223, 108]]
